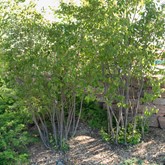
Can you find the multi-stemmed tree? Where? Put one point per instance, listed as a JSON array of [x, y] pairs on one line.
[[44, 64], [120, 39], [100, 48]]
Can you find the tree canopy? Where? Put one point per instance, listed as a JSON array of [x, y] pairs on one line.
[[98, 48]]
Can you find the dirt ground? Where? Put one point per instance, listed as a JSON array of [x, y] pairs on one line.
[[87, 148]]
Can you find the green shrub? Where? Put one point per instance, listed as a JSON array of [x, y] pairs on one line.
[[132, 161], [105, 136], [14, 136], [94, 115], [130, 138], [13, 139], [143, 120], [133, 136]]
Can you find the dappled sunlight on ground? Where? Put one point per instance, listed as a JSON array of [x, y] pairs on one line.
[[87, 148]]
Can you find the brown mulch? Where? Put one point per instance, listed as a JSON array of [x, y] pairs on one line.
[[87, 148]]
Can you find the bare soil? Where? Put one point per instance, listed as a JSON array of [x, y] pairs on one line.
[[87, 148]]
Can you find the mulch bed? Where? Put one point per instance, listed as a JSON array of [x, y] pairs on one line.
[[87, 148]]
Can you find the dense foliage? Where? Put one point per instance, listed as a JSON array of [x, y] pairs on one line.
[[120, 40], [97, 51], [14, 136]]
